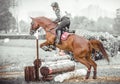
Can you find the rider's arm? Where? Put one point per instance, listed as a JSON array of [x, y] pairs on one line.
[[58, 19]]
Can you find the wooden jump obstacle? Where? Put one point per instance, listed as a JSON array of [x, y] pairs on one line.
[[55, 58], [59, 67], [32, 72], [69, 75]]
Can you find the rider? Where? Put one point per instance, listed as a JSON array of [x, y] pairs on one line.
[[63, 22]]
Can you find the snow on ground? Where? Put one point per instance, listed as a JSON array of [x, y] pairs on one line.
[[16, 54]]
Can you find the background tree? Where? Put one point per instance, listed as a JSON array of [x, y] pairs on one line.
[[24, 26], [103, 24], [79, 22], [7, 21], [116, 25]]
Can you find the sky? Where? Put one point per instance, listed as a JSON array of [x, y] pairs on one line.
[[34, 8]]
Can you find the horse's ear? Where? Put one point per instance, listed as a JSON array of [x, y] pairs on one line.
[[31, 18]]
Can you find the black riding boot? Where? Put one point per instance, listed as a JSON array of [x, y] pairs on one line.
[[58, 38]]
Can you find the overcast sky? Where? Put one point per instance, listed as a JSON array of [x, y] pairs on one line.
[[42, 7]]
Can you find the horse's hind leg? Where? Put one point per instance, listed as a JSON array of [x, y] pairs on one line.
[[86, 63], [94, 66]]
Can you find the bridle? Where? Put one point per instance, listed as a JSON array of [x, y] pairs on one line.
[[46, 26]]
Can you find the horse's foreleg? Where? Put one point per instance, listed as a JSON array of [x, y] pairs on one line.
[[44, 46]]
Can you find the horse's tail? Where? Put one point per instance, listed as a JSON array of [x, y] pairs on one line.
[[102, 49]]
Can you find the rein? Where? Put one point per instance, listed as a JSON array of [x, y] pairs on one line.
[[50, 30]]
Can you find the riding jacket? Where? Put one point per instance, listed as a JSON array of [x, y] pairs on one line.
[[59, 18]]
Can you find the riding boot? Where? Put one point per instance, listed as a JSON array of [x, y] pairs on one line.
[[58, 38]]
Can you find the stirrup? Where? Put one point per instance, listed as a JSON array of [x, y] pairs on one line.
[[57, 41]]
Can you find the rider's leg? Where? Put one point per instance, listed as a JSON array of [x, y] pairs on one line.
[[58, 38], [59, 29]]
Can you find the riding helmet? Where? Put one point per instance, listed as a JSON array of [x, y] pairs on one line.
[[54, 4]]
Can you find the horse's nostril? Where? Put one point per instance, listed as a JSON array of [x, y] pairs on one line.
[[31, 32]]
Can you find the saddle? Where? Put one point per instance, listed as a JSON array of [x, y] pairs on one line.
[[66, 33], [64, 36]]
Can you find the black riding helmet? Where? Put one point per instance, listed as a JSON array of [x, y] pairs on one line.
[[55, 4]]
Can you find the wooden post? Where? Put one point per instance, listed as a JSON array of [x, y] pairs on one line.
[[37, 62], [37, 48], [32, 72]]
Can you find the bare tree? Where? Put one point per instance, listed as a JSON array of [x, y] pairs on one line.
[[7, 21]]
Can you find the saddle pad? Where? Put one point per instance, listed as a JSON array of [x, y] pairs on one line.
[[65, 35]]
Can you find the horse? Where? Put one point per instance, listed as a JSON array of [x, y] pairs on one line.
[[98, 46], [79, 46]]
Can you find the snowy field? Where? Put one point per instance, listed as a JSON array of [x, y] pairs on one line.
[[16, 54]]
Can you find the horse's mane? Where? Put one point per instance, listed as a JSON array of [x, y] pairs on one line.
[[43, 18]]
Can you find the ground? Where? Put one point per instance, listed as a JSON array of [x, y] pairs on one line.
[[16, 54]]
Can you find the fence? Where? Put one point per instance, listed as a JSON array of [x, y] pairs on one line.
[[21, 36]]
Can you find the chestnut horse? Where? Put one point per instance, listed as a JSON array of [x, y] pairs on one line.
[[79, 46], [98, 46]]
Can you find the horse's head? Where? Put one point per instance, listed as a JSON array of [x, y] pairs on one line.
[[41, 22], [34, 26]]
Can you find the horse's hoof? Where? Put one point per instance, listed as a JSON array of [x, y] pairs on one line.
[[86, 77], [94, 77], [88, 74], [45, 48], [49, 50]]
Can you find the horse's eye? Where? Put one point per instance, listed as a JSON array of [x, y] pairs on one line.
[[31, 23]]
